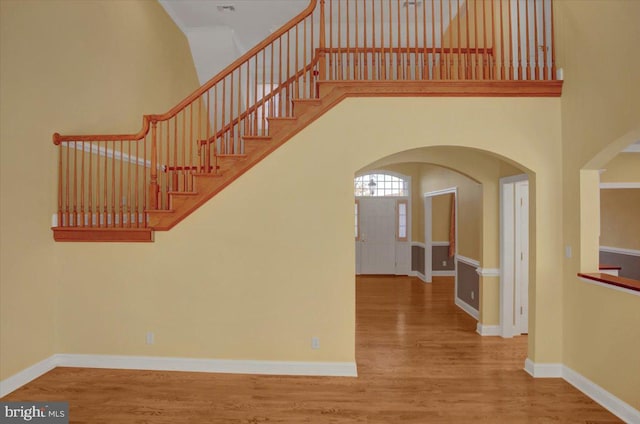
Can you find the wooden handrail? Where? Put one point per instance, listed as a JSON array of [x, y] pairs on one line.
[[273, 93], [245, 58]]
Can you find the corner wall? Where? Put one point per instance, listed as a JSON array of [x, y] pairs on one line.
[[600, 105], [72, 67]]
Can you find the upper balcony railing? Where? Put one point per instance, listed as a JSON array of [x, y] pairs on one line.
[[113, 180]]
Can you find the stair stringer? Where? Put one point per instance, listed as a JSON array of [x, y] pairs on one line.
[[306, 111]]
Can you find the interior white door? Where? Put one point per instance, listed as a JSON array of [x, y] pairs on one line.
[[377, 236], [521, 307]]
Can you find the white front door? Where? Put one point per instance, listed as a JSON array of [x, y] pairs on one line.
[[377, 249]]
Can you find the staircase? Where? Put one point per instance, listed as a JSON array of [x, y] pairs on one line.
[[125, 187]]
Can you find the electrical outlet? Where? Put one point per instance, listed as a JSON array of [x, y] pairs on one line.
[[473, 295], [315, 343], [150, 338], [444, 263]]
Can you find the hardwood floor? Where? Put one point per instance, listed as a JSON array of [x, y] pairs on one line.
[[419, 361]]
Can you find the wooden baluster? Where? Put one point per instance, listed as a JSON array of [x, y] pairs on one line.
[[382, 73], [207, 152], [153, 184], [247, 119], [535, 40], [468, 65], [408, 51], [90, 186], [312, 75], [60, 186], [174, 174], [390, 66], [451, 45], [527, 45], [223, 137], [365, 53], [503, 71], [375, 72], [113, 189], [118, 198], [416, 57], [304, 59], [545, 69], [356, 57], [442, 57], [255, 96], [485, 57], [348, 58], [144, 182], [188, 180], [136, 185], [476, 41], [459, 68], [339, 59], [519, 33], [399, 61], [81, 212], [493, 69], [230, 140], [105, 200], [128, 204], [425, 55], [238, 124], [74, 213], [332, 71], [554, 75], [288, 98], [511, 69], [433, 38]]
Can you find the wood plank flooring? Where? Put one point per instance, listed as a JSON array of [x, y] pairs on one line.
[[419, 361]]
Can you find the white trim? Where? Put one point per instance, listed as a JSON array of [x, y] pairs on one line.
[[633, 148], [543, 370], [440, 243], [335, 369], [619, 185], [468, 261], [25, 376], [620, 251], [418, 244], [154, 363], [89, 147], [467, 308], [448, 273], [606, 399], [488, 330], [612, 403], [610, 286], [488, 272], [448, 190], [420, 275]]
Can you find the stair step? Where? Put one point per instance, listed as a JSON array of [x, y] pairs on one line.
[[300, 106], [232, 156], [75, 234], [260, 138], [277, 125]]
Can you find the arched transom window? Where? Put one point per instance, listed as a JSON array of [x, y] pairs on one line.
[[380, 185]]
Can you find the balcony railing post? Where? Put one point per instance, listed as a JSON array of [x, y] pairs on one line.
[[322, 60], [153, 185]]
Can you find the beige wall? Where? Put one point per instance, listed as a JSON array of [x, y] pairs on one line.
[[619, 223], [71, 67], [600, 106], [623, 168], [441, 224]]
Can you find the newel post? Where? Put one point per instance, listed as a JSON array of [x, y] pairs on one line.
[[153, 185], [322, 61]]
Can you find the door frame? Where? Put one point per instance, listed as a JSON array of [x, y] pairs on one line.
[[508, 283], [428, 233]]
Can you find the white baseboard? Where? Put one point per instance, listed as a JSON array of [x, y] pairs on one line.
[[613, 404], [607, 400], [543, 370], [468, 261], [451, 273], [420, 275], [467, 308], [152, 363], [25, 376], [620, 250], [488, 330]]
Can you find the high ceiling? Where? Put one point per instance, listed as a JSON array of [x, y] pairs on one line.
[[250, 21]]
